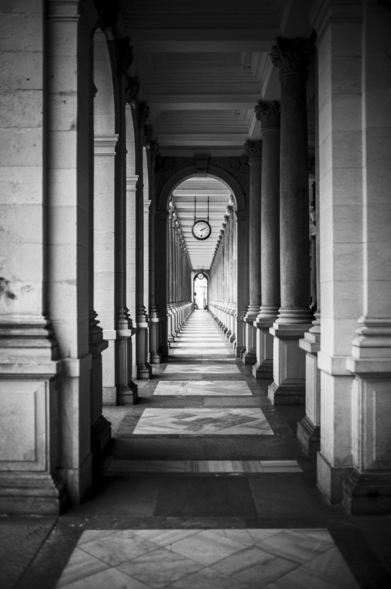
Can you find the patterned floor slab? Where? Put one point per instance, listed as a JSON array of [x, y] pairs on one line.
[[207, 559], [227, 388], [204, 466], [200, 422], [205, 368], [204, 351]]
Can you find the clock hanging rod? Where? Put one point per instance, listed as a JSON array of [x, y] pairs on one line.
[[195, 209]]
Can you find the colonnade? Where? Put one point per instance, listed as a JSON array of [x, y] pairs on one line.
[[223, 276], [179, 292], [96, 279]]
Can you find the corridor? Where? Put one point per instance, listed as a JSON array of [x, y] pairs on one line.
[[205, 486]]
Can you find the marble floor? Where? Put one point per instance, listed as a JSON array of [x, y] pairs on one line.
[[200, 422], [205, 487], [117, 467], [206, 368], [206, 559], [224, 388]]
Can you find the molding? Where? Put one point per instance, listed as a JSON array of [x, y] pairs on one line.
[[105, 145]]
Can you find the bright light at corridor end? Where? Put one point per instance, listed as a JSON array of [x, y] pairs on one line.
[[220, 196]]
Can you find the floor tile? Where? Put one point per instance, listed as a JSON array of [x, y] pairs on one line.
[[203, 422], [118, 547], [202, 387], [159, 568], [79, 566], [204, 368]]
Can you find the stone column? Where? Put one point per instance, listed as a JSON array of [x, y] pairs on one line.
[[308, 428], [155, 356], [292, 56], [131, 189], [254, 152], [162, 276], [104, 256], [144, 370], [242, 278], [269, 116]]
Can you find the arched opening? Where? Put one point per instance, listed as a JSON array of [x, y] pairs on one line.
[[200, 291]]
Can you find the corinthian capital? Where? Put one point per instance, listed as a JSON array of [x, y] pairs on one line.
[[124, 54], [292, 56], [253, 149], [142, 113], [268, 113]]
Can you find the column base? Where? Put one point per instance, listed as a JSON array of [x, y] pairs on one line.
[[286, 394], [308, 435], [144, 371], [128, 395], [367, 493], [155, 357], [250, 357], [263, 370], [330, 479], [32, 494]]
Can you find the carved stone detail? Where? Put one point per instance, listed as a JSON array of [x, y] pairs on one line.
[[108, 12], [268, 113], [132, 90], [253, 149], [148, 134], [124, 54], [292, 56], [142, 113]]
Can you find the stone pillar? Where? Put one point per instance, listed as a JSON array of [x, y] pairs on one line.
[[254, 151], [242, 278], [308, 428], [104, 256], [366, 489], [341, 229], [30, 360], [162, 276], [131, 189], [292, 56], [144, 370], [269, 116], [155, 356]]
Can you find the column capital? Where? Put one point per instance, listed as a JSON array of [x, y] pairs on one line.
[[253, 149], [142, 113], [124, 55], [269, 114], [292, 56]]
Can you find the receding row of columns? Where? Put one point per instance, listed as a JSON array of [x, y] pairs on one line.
[[179, 294]]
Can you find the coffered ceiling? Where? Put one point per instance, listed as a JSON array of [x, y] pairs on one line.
[[204, 64]]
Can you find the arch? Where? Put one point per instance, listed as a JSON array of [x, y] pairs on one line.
[[205, 273], [213, 172], [104, 101]]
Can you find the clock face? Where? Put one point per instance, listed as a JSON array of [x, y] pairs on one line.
[[200, 276], [201, 229]]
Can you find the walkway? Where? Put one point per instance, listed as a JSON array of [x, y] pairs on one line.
[[206, 488]]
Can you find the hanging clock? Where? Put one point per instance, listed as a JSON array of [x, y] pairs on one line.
[[200, 276], [201, 229]]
